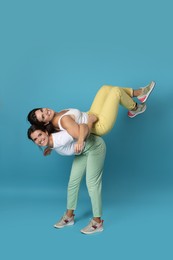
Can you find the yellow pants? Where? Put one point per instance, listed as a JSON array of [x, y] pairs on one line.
[[105, 107]]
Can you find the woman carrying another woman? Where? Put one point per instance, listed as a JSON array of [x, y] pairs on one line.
[[90, 160], [78, 125]]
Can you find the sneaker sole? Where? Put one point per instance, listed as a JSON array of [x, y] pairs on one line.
[[138, 113], [90, 233], [153, 85]]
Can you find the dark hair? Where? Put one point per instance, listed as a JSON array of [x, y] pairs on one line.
[[47, 128], [33, 119]]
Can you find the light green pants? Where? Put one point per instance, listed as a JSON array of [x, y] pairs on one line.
[[91, 162], [105, 107]]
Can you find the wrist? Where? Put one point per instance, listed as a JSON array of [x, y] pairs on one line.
[[80, 140]]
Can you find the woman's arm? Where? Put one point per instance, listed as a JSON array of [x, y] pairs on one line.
[[69, 124], [73, 128], [84, 132], [78, 131]]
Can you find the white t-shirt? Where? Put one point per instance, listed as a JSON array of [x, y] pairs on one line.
[[63, 143], [79, 117]]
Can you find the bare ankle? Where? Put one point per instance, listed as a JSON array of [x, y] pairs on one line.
[[69, 213], [97, 219]]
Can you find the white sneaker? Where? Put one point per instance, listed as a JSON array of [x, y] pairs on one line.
[[92, 227], [65, 221], [146, 91], [140, 109]]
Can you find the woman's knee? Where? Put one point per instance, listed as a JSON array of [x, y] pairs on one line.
[[116, 90], [106, 88]]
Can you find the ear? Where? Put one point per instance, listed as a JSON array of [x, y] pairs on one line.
[[47, 132]]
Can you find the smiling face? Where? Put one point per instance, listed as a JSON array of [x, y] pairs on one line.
[[44, 115], [40, 138]]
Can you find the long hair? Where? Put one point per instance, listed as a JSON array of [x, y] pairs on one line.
[[32, 117]]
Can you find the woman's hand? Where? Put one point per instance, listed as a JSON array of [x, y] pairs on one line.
[[92, 118], [78, 147], [47, 151]]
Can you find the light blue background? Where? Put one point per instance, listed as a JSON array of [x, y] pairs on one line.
[[57, 54]]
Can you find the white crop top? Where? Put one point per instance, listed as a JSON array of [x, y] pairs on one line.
[[80, 117]]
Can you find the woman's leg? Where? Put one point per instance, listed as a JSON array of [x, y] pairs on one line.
[[99, 99], [106, 108], [77, 172], [94, 171], [102, 94]]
